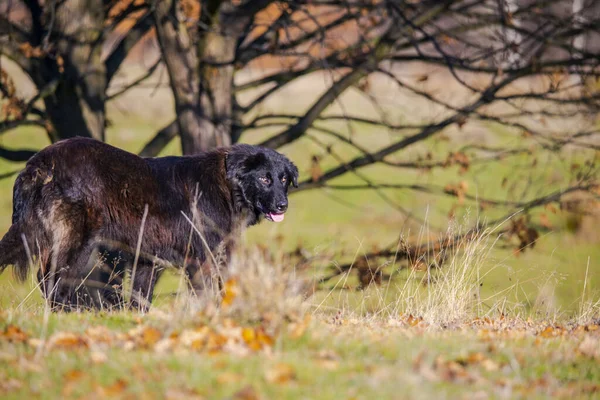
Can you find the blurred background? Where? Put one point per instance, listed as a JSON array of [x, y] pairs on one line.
[[416, 125]]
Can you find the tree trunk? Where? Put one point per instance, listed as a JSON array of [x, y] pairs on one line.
[[181, 61], [201, 77], [217, 50], [77, 106]]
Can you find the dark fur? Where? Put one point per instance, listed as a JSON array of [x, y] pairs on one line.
[[79, 199]]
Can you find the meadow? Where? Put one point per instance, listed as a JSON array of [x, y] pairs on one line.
[[490, 323]]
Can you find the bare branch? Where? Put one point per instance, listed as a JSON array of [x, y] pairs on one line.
[[16, 155], [160, 140], [317, 108], [136, 82], [117, 56]]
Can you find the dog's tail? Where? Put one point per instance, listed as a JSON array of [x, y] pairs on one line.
[[12, 245], [13, 252]]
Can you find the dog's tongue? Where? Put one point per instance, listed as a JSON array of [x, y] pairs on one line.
[[276, 217]]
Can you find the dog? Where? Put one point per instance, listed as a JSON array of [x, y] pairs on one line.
[[84, 211]]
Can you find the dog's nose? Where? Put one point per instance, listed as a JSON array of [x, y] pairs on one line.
[[282, 206]]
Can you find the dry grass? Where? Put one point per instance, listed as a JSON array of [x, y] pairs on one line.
[[449, 294], [255, 339]]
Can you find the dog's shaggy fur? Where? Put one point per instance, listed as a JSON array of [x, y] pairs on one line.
[[80, 201]]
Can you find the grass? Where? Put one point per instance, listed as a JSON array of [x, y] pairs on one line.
[[356, 363], [491, 323], [262, 342]]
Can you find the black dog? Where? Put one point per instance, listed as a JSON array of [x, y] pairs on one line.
[[80, 199]]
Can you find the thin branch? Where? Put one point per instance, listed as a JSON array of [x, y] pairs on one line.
[[16, 155], [160, 140], [117, 56], [414, 252], [13, 124], [137, 81]]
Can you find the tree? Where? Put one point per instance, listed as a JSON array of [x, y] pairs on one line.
[[526, 66]]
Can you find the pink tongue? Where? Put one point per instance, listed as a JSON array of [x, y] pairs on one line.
[[277, 217]]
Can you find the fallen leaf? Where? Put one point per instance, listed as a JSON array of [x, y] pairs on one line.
[[551, 331], [590, 347], [231, 291], [264, 339], [14, 334], [99, 334], [66, 341], [246, 393], [215, 343], [475, 358], [115, 389], [72, 379], [73, 375], [280, 373], [297, 329], [229, 377], [328, 359], [9, 385], [489, 365], [592, 328], [98, 357], [249, 336], [451, 370], [150, 336], [182, 394]]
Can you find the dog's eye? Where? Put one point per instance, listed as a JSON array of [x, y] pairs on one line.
[[264, 180], [283, 180]]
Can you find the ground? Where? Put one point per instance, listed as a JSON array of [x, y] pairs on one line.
[[124, 355]]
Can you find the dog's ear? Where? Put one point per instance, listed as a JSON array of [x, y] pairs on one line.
[[292, 172], [234, 164], [240, 161], [254, 161]]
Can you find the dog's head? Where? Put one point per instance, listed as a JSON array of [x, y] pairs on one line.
[[263, 177]]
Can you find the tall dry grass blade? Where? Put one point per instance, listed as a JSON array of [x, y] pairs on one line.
[[137, 254]]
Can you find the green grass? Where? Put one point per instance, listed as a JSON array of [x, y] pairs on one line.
[[359, 343], [328, 362]]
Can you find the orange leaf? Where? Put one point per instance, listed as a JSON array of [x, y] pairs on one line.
[[66, 341], [72, 379], [115, 389], [182, 394], [229, 377], [550, 332], [250, 337], [246, 393], [297, 329], [231, 292], [264, 339], [150, 336], [545, 222], [215, 343], [315, 169], [14, 334], [280, 373]]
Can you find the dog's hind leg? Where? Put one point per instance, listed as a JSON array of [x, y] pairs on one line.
[[66, 277], [204, 279], [144, 278], [96, 284]]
